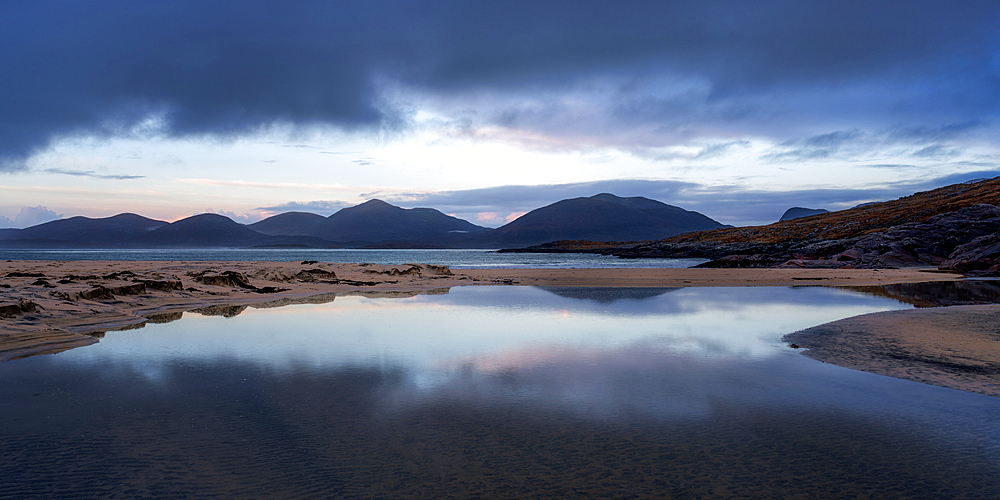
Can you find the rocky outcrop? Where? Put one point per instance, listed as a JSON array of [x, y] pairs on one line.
[[965, 240], [162, 285], [310, 275], [22, 306], [931, 242], [102, 292], [980, 257], [231, 279]]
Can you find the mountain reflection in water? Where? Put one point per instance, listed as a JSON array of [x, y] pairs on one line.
[[490, 392]]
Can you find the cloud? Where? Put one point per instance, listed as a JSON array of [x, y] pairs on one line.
[[6, 222], [913, 142], [230, 68], [511, 217], [246, 218], [320, 207], [731, 204], [525, 198], [90, 173], [32, 216], [937, 152]]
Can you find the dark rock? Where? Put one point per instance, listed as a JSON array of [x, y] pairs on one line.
[[226, 278], [980, 256], [17, 274], [396, 271], [133, 289], [743, 261], [162, 285], [23, 306], [314, 275], [119, 275], [930, 242], [164, 317], [965, 240], [226, 311], [97, 293]]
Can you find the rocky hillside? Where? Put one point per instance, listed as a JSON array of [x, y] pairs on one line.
[[858, 221], [955, 228]]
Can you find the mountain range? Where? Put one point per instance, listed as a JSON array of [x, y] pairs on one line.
[[373, 224], [955, 227]]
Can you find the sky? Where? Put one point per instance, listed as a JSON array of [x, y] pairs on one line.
[[486, 110]]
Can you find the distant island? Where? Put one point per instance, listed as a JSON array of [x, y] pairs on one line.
[[796, 212], [373, 224], [956, 228]]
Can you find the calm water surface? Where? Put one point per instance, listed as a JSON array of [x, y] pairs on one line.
[[456, 258], [481, 392]]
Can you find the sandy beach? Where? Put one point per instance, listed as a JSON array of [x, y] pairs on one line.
[[956, 347], [50, 306]]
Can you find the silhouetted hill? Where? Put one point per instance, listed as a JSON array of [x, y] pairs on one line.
[[373, 224], [796, 212], [377, 221], [287, 223], [203, 230], [602, 217], [83, 231]]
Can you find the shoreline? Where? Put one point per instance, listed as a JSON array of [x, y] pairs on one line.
[[955, 346], [51, 306]]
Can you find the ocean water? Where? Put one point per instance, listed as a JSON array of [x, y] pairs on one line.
[[490, 392], [456, 258]]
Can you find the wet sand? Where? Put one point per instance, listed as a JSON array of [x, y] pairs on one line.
[[50, 306], [956, 347]]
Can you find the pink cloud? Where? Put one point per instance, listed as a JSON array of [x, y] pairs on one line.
[[514, 215]]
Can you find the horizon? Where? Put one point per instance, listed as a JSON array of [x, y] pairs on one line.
[[485, 112]]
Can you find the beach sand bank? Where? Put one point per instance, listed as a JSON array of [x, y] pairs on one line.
[[956, 347], [50, 306]]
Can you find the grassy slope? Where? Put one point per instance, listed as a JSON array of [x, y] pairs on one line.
[[858, 221]]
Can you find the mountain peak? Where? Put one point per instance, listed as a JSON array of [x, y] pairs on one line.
[[375, 203], [607, 197]]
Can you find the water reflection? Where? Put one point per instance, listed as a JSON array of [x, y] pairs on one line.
[[477, 325], [608, 295], [939, 293], [491, 392]]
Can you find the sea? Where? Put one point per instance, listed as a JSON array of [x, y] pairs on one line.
[[458, 259]]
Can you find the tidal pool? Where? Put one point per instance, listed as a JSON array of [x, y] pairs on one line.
[[482, 392]]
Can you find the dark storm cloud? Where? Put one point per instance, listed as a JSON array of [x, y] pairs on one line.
[[230, 67]]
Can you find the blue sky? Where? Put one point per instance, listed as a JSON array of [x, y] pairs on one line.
[[736, 109]]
